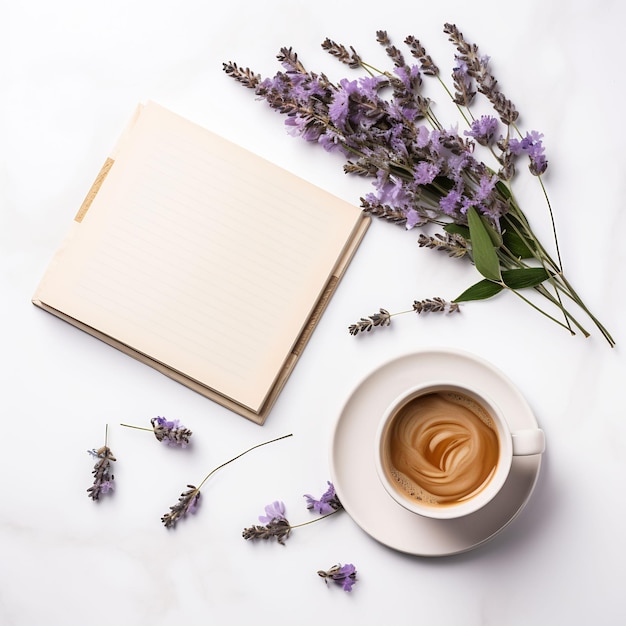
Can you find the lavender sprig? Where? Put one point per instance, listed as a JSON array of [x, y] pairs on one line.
[[277, 526], [170, 432], [383, 318], [424, 173], [103, 477], [452, 243], [189, 499], [344, 575]]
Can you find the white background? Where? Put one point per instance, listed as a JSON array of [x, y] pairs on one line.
[[71, 74]]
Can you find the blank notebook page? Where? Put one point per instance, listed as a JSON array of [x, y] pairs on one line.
[[200, 255]]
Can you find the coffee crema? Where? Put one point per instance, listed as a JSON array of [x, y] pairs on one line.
[[442, 448]]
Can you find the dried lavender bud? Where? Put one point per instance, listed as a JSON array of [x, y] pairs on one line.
[[276, 525], [244, 76], [360, 168], [340, 52], [452, 243], [463, 84], [170, 432], [478, 68], [483, 130], [383, 38], [507, 171], [277, 529], [427, 65], [394, 54], [289, 58], [383, 211], [435, 305], [103, 478], [365, 324], [187, 503], [344, 575]]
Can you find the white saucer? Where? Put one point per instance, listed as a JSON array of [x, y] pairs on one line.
[[354, 474]]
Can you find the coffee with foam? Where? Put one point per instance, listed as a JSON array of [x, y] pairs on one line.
[[441, 448]]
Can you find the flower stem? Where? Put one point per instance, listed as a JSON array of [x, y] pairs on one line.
[[571, 293], [556, 321], [137, 427], [238, 456], [317, 519]]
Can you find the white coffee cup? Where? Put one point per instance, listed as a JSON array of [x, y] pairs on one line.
[[444, 451]]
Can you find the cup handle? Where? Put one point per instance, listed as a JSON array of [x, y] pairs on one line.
[[529, 441]]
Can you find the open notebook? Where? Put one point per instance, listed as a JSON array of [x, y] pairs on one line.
[[202, 260]]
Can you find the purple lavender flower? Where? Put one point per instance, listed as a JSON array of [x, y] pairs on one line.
[[449, 204], [331, 140], [273, 511], [344, 575], [425, 172], [339, 108], [457, 163], [370, 85], [423, 137], [328, 502], [391, 190], [483, 130], [107, 485], [532, 145], [409, 75], [413, 219], [485, 187]]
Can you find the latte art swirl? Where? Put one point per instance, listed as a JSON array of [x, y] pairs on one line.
[[442, 448]]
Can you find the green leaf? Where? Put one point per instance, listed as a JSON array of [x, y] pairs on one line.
[[457, 229], [514, 279], [483, 250], [519, 247], [480, 291], [496, 237], [524, 277]]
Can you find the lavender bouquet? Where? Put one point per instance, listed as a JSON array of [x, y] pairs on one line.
[[426, 174]]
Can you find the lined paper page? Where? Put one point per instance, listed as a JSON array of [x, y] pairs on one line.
[[201, 255]]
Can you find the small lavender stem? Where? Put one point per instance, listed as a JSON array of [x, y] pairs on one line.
[[137, 427], [317, 519], [239, 456]]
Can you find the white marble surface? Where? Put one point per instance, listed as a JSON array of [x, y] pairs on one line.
[[70, 74]]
